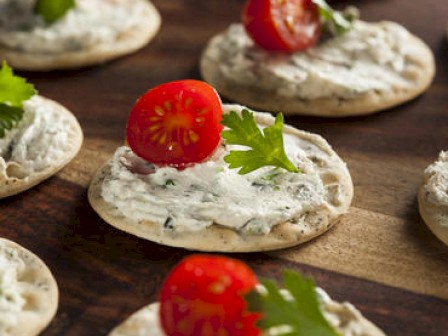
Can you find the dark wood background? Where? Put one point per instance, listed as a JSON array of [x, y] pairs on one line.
[[380, 256]]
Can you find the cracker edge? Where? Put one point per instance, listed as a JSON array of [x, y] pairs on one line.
[[129, 42], [217, 238], [136, 322], [435, 216], [26, 327], [366, 103], [15, 186]]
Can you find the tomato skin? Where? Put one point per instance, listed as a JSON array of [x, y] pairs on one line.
[[203, 295], [176, 123], [282, 25]]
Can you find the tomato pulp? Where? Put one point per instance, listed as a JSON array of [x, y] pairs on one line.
[[203, 295], [282, 25], [176, 123]]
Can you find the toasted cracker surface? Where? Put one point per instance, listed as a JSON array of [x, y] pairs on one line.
[[331, 169], [13, 181], [128, 42], [433, 198], [418, 73], [37, 287]]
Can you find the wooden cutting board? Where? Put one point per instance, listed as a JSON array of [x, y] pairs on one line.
[[382, 238]]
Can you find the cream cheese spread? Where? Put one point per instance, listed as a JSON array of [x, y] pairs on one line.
[[16, 14], [11, 300], [210, 193], [37, 142], [89, 24], [145, 322], [437, 180], [370, 57]]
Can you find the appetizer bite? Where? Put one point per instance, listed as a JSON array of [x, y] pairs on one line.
[[182, 181], [38, 137], [433, 197], [301, 57], [214, 295], [41, 35], [28, 292]]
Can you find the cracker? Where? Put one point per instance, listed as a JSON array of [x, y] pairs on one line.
[[344, 316], [37, 287], [433, 197], [338, 195], [416, 76], [147, 26], [140, 323], [12, 178]]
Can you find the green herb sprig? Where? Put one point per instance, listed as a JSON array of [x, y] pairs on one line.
[[53, 10], [14, 90], [335, 21], [296, 314], [266, 146]]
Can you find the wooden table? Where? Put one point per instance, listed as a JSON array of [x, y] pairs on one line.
[[380, 256]]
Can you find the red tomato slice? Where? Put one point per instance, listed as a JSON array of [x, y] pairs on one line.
[[203, 295], [176, 123], [282, 25]]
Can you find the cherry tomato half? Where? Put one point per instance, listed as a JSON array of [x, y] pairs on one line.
[[282, 25], [204, 295], [176, 123]]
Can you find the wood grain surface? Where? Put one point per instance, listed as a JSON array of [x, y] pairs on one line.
[[380, 256]]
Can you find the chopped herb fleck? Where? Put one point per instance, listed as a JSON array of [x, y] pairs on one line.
[[169, 223], [170, 182]]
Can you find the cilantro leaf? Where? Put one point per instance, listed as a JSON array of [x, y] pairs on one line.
[[296, 314], [337, 22], [9, 117], [266, 146], [14, 90], [53, 10]]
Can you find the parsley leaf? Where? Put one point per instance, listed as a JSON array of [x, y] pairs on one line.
[[336, 22], [14, 90], [266, 146], [296, 313], [53, 10], [9, 117]]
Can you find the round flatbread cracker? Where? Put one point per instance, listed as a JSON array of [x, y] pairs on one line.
[[343, 316], [331, 170], [31, 288], [146, 26], [433, 197], [143, 322], [14, 179], [240, 71]]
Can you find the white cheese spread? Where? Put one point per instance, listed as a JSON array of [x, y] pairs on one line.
[[345, 317], [16, 14], [145, 321], [11, 300], [370, 57], [437, 180], [89, 24], [37, 142], [210, 193]]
